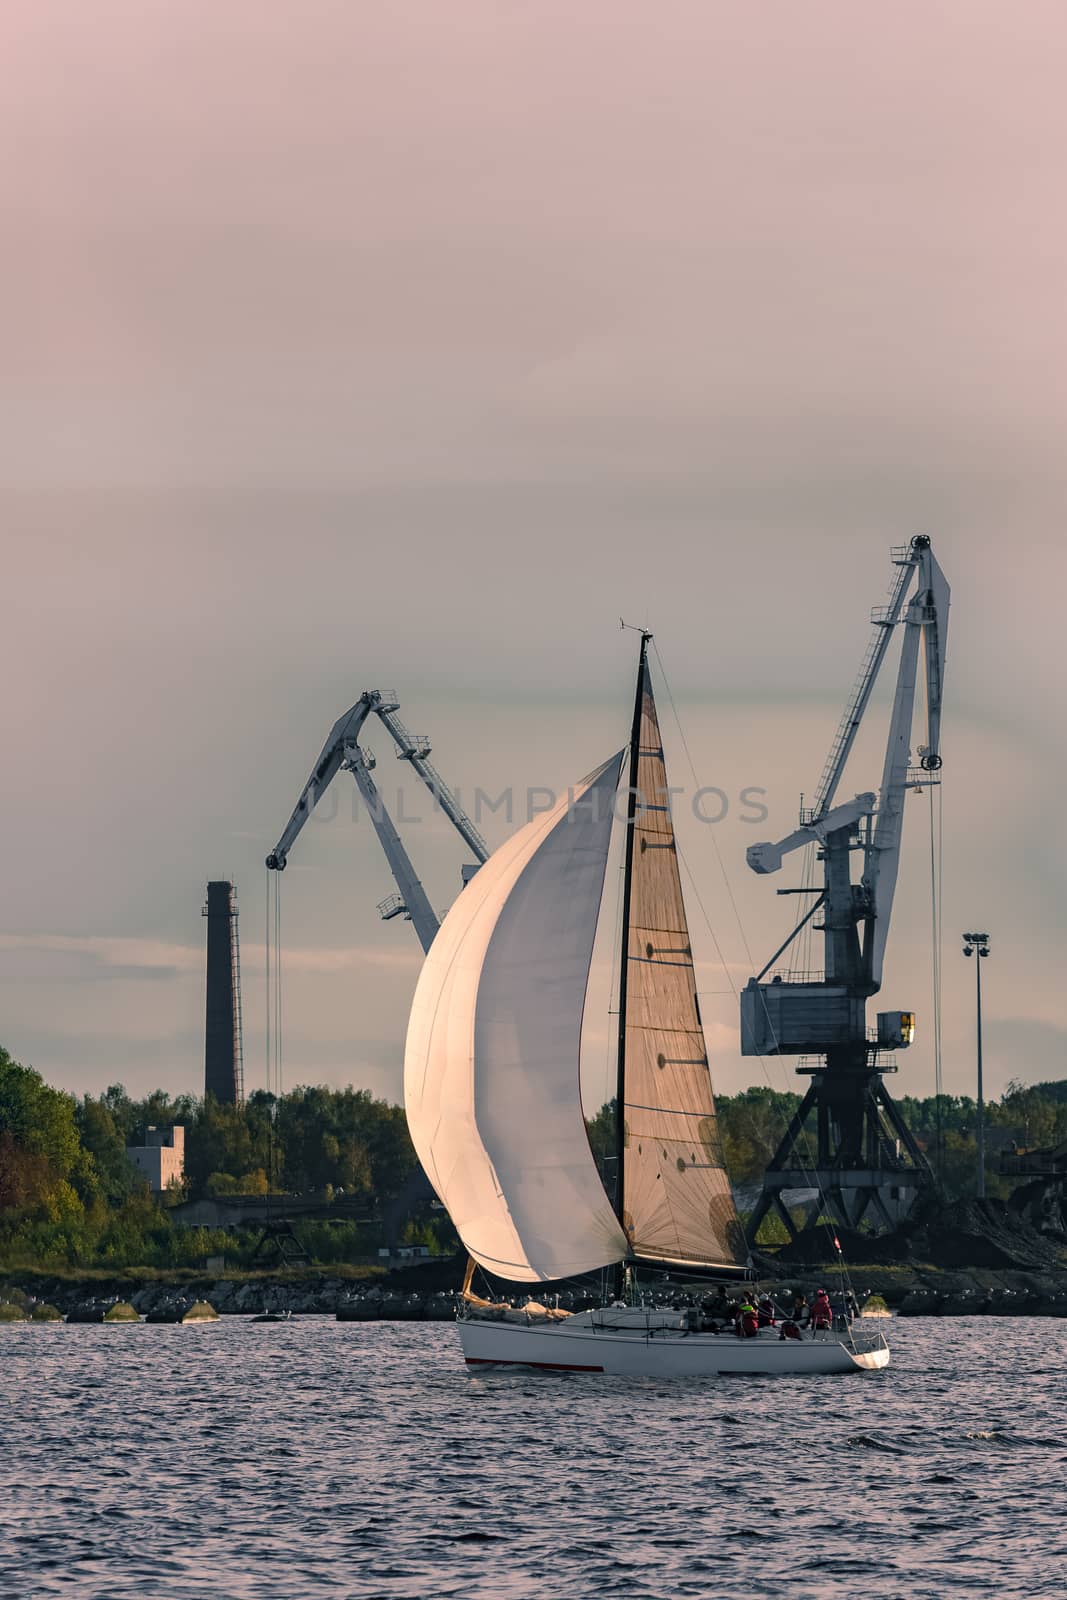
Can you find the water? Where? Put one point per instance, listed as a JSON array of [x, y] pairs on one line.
[[316, 1458]]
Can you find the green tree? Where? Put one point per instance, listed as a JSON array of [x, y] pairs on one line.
[[40, 1152], [106, 1143], [39, 1119], [751, 1126], [1031, 1116]]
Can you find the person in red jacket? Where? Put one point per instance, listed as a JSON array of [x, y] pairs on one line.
[[747, 1321], [821, 1316]]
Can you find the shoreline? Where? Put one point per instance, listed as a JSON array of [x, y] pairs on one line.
[[426, 1292]]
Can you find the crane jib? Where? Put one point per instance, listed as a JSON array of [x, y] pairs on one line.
[[342, 751]]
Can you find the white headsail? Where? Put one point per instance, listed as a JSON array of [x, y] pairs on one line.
[[491, 1084]]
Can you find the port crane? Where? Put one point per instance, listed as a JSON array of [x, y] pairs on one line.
[[343, 752], [866, 1161]]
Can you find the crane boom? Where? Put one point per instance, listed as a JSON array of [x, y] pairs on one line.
[[768, 857], [342, 752], [412, 894], [415, 750], [344, 731], [926, 617], [883, 624]]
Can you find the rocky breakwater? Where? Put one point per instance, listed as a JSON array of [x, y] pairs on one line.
[[103, 1311], [984, 1294], [183, 1310], [18, 1306], [326, 1296], [388, 1306], [166, 1300]]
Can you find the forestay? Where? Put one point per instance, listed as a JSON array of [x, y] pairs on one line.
[[677, 1201], [491, 1072]]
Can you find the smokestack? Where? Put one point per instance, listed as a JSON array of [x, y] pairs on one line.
[[223, 1047]]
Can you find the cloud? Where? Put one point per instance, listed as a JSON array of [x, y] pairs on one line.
[[97, 956]]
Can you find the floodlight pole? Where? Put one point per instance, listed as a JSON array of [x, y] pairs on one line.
[[978, 943]]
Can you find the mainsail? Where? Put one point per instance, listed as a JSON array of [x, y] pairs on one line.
[[491, 1070], [676, 1201]]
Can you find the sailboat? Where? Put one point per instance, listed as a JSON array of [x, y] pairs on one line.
[[492, 1095]]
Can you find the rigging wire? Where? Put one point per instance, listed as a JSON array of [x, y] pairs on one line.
[[267, 987], [273, 972], [936, 861], [278, 984], [810, 1169], [268, 992], [696, 784]]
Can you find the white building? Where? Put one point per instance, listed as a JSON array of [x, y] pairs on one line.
[[161, 1158]]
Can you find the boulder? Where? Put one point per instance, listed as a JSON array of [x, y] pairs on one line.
[[200, 1311], [87, 1311], [121, 1311]]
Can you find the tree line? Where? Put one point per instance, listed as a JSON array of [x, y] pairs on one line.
[[69, 1195], [1028, 1117]]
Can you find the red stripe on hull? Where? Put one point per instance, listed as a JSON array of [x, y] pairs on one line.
[[546, 1366]]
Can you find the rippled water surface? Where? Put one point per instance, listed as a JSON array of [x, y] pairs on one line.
[[316, 1458]]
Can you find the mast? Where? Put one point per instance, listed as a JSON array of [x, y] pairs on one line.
[[673, 1201], [624, 964]]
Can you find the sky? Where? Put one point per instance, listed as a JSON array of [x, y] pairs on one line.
[[413, 345]]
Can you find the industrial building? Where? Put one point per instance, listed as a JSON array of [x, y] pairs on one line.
[[161, 1157]]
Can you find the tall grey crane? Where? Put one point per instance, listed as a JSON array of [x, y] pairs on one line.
[[863, 1156]]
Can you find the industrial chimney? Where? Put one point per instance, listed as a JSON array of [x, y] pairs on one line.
[[223, 1047]]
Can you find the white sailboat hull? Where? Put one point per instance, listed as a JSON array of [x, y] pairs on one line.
[[663, 1353]]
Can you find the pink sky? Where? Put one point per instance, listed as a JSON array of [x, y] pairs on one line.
[[407, 344]]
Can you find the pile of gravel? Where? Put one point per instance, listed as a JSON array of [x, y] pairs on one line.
[[965, 1233]]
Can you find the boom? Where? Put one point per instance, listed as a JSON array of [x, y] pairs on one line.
[[883, 622], [925, 621], [342, 752], [927, 616]]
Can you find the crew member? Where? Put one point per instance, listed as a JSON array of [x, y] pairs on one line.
[[748, 1322], [822, 1316]]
